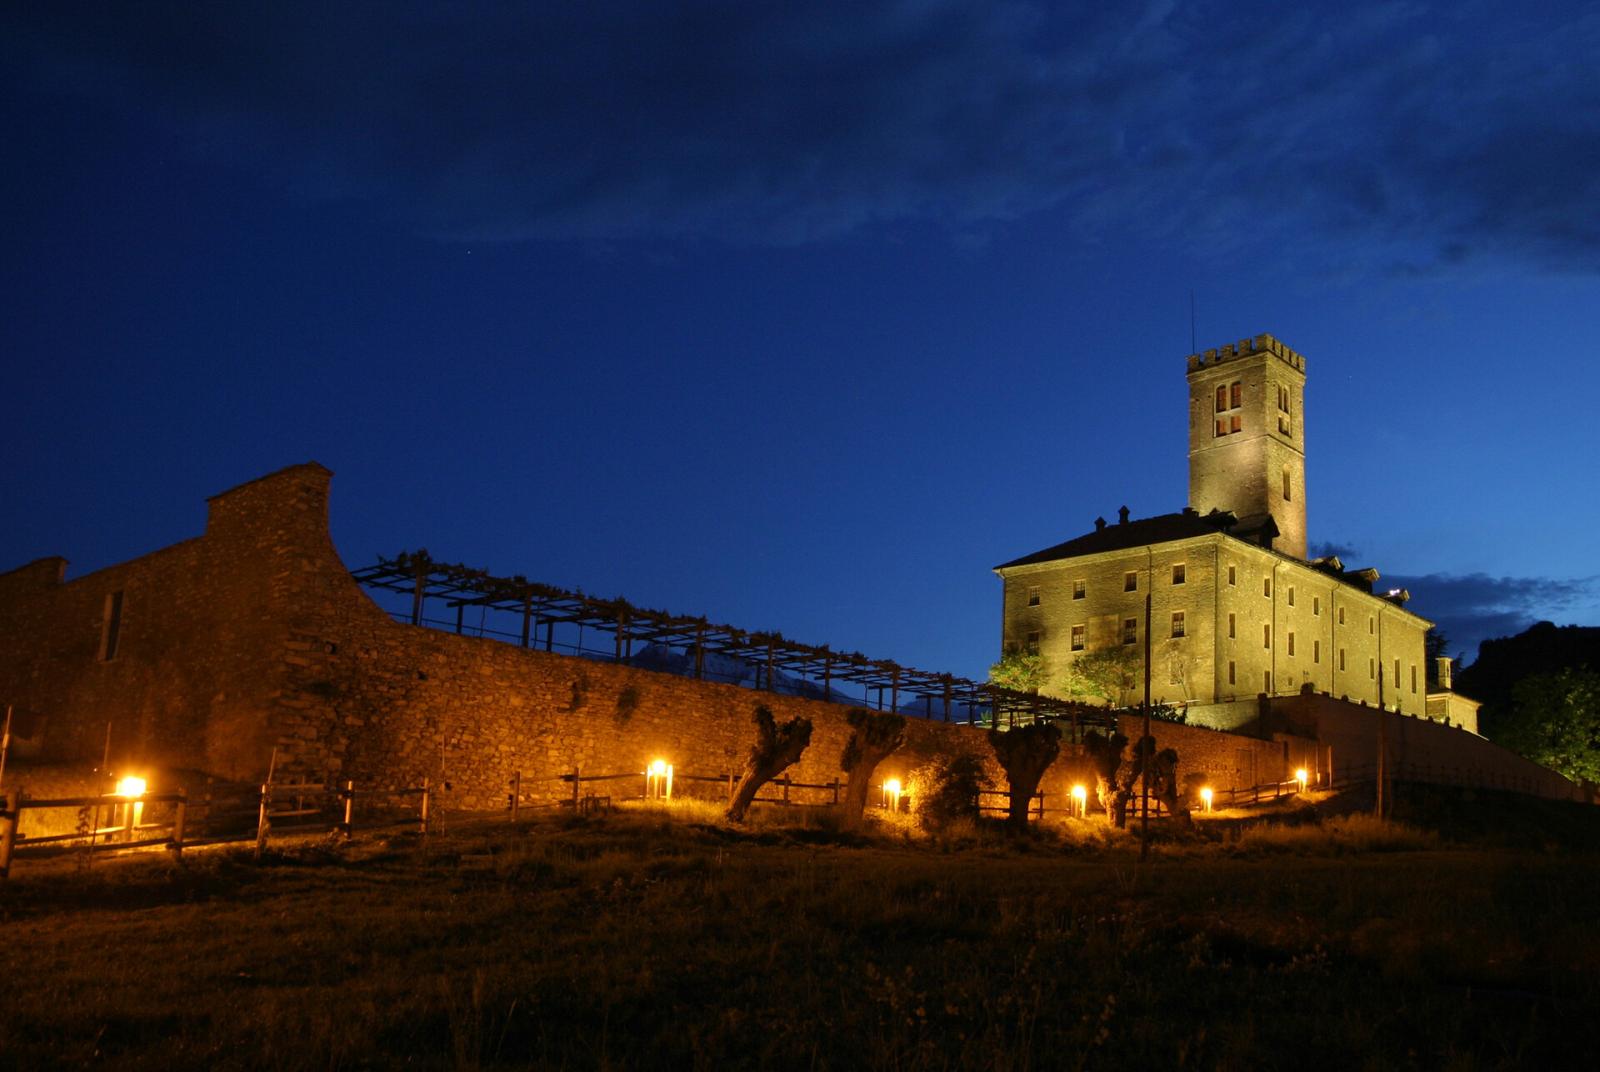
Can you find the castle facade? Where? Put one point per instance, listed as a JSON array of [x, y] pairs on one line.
[[1237, 611]]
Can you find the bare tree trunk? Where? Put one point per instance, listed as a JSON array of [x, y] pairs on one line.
[[876, 735], [775, 749], [1025, 753]]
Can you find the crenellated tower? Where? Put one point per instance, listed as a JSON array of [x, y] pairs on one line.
[[1247, 451]]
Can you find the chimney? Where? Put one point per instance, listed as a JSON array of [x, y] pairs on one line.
[[1122, 516], [1099, 524], [1444, 663]]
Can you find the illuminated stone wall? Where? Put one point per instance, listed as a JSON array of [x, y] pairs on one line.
[[253, 637], [1321, 614]]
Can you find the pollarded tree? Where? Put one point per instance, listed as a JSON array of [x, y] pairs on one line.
[[1025, 753], [1105, 756], [1164, 784], [874, 736], [1024, 671], [775, 749], [1108, 674]]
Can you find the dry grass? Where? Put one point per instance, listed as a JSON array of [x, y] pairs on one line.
[[659, 936]]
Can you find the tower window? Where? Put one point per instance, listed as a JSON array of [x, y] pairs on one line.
[[1341, 660], [1266, 587], [1266, 636], [1130, 630], [1077, 637], [1077, 589], [1397, 673], [1341, 615], [1177, 573], [111, 627], [1033, 643], [1288, 491], [1233, 577], [1372, 669], [1130, 582], [1229, 396], [1413, 677], [1291, 595], [1371, 625], [1266, 681], [1316, 651], [1316, 606], [1033, 595], [1291, 643], [1231, 673], [1177, 625], [1231, 633]]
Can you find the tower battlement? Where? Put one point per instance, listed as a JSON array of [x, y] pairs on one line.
[[1244, 348]]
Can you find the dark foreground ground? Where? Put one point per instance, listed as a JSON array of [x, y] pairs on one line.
[[667, 940]]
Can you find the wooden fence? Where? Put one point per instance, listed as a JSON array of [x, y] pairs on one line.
[[270, 804]]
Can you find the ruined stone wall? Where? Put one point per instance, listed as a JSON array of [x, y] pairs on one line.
[[200, 630]]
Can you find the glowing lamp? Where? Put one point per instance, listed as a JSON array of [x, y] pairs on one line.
[[131, 787], [891, 794], [1080, 800], [658, 780], [1205, 797], [1300, 776]]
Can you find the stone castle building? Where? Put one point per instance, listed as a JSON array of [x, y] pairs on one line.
[[1237, 610]]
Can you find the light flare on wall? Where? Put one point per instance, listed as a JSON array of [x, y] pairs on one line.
[[891, 794], [1080, 801], [1205, 797]]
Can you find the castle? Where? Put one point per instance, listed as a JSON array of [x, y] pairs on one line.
[[1237, 609]]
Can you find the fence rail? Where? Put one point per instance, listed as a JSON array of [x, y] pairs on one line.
[[123, 835]]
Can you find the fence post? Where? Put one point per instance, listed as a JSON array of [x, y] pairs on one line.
[[423, 811], [180, 818], [349, 795], [836, 790], [786, 783], [575, 772], [9, 818], [516, 795]]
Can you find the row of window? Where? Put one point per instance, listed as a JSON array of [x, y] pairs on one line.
[[1372, 672], [1230, 396]]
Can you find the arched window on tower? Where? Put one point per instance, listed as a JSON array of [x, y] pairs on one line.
[[1288, 486]]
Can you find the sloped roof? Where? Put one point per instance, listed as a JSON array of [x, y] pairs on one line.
[[1121, 536]]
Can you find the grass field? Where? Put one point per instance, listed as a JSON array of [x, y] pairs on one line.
[[667, 939]]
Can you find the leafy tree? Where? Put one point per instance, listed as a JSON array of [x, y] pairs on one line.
[[1555, 721], [1025, 671], [947, 789], [1109, 674]]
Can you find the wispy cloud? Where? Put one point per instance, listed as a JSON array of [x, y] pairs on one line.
[[1412, 135]]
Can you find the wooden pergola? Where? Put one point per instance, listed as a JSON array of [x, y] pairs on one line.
[[541, 608]]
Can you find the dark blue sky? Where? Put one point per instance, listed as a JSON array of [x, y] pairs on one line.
[[803, 320]]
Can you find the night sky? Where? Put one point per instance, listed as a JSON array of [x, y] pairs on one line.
[[803, 319]]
